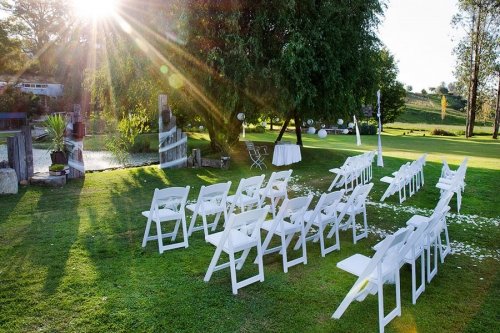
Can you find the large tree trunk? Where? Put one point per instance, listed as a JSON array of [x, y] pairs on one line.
[[298, 129], [472, 106], [497, 113], [283, 129]]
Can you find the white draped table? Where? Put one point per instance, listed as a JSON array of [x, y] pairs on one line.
[[286, 154]]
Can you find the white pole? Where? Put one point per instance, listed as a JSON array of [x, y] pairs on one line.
[[358, 137], [380, 160], [243, 134]]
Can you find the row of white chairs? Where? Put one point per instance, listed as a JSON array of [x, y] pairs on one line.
[[333, 211], [170, 204], [422, 237], [453, 180], [410, 174], [242, 233], [355, 169]]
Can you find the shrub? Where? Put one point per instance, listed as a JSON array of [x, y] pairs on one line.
[[442, 132], [256, 129], [367, 129], [56, 167]]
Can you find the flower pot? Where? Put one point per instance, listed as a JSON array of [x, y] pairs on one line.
[[58, 157]]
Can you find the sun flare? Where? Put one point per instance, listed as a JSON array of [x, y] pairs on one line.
[[95, 9]]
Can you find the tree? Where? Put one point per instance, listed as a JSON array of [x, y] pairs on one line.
[[38, 25], [409, 88], [11, 56], [424, 92], [432, 89], [477, 52], [392, 101]]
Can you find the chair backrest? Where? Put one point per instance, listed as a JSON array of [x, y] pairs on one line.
[[278, 182], [248, 222], [292, 210], [249, 187], [216, 194], [359, 195], [327, 204], [173, 198]]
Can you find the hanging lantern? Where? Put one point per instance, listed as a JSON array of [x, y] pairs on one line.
[[310, 122], [240, 116], [345, 131], [311, 130], [322, 133], [340, 122], [263, 124], [350, 125]]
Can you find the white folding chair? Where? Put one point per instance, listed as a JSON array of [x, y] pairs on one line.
[[372, 273], [289, 221], [257, 154], [454, 182], [242, 233], [431, 239], [396, 184], [167, 205], [343, 175], [323, 216], [247, 194], [276, 189], [211, 201], [355, 204]]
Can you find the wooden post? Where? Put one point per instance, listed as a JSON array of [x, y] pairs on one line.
[[28, 144]]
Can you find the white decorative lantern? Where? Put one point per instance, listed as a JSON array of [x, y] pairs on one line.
[[240, 116], [310, 122], [276, 119], [311, 130], [350, 125], [322, 133], [345, 131], [201, 128], [263, 124], [323, 125], [340, 122]]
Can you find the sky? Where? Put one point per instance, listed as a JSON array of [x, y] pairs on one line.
[[420, 36]]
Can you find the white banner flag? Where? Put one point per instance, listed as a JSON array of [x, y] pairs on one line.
[[358, 136], [380, 160]]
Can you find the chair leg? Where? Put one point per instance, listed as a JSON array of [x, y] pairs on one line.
[[212, 265], [193, 221], [184, 231], [160, 237], [176, 230], [146, 233], [232, 266]]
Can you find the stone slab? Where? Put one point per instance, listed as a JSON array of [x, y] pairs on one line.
[[8, 181], [44, 179]]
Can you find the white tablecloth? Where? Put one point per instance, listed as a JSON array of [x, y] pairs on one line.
[[286, 154]]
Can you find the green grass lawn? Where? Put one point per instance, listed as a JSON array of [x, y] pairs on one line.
[[71, 258]]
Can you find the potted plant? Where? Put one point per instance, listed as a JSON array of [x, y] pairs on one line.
[[56, 127], [57, 170]]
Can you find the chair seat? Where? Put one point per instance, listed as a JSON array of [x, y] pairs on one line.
[[239, 240], [206, 208], [387, 179], [323, 220], [416, 220], [357, 263], [163, 215], [350, 210], [287, 226], [273, 193], [244, 200]]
